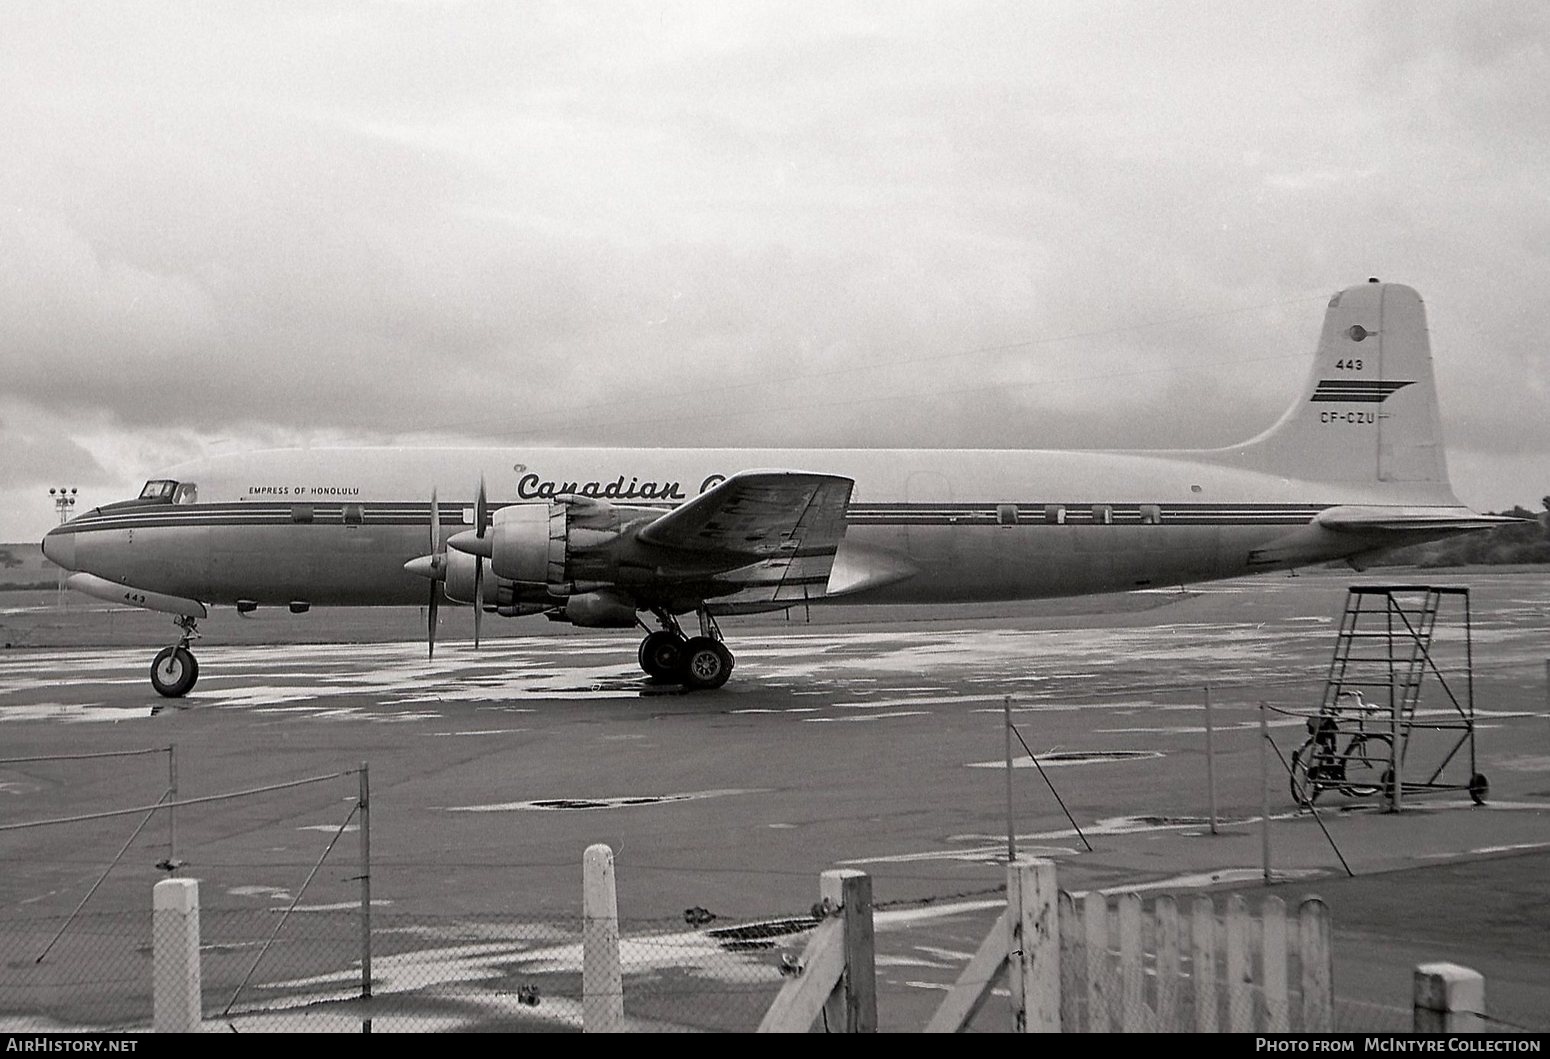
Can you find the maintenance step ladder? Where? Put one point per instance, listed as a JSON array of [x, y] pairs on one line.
[[1382, 662]]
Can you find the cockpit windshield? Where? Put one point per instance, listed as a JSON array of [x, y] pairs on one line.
[[170, 492]]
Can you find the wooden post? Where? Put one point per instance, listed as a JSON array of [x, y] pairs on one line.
[[1448, 999], [1095, 928], [838, 969], [1240, 991], [1273, 967], [1072, 957], [602, 983], [1318, 1009], [1166, 912], [1210, 760], [1202, 963], [852, 1008], [175, 992], [1033, 945], [1132, 996]]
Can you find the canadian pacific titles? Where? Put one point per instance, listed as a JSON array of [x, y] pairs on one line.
[[533, 487]]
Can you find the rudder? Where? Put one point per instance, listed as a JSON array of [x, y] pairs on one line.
[[1369, 410]]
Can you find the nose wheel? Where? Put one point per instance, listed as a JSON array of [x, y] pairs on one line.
[[174, 672], [175, 669]]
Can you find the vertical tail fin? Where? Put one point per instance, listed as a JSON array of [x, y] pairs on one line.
[[1369, 410]]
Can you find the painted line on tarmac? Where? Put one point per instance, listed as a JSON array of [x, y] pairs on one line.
[[573, 804]]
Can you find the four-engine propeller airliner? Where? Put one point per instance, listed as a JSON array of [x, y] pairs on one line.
[[600, 537]]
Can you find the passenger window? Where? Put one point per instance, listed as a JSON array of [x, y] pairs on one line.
[[301, 512], [354, 514], [1103, 515], [1151, 515], [1055, 514], [1006, 514]]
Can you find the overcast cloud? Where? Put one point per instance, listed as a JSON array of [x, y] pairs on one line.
[[1001, 224]]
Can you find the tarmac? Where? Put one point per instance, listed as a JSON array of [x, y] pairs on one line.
[[870, 739]]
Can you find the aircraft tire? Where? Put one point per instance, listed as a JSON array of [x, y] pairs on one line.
[[661, 655], [174, 672], [706, 664]]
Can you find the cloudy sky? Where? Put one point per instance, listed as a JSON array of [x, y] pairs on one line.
[[226, 226]]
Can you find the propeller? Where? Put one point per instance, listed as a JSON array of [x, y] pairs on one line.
[[481, 518]]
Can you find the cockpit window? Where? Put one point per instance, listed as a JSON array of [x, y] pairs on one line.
[[166, 491]]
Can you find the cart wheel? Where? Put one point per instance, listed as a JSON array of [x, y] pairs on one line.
[[1479, 788]]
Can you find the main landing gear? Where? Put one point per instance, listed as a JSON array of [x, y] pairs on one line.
[[697, 662], [176, 669]]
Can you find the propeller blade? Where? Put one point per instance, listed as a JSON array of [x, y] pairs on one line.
[[435, 525], [430, 625], [437, 553], [478, 597], [481, 519]]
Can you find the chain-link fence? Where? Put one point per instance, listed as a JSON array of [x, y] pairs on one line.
[[428, 973]]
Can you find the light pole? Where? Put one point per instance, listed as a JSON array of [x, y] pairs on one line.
[[64, 500]]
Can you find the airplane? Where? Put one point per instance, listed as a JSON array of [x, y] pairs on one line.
[[600, 537]]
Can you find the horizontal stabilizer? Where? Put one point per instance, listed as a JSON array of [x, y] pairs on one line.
[[1333, 531], [1431, 520]]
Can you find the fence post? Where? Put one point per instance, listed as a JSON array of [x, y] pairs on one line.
[[602, 984], [1448, 999], [1316, 948], [1033, 945], [175, 989], [837, 974], [853, 1007]]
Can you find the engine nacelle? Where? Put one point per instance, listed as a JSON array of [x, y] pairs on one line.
[[506, 597], [459, 583], [603, 609], [563, 545]]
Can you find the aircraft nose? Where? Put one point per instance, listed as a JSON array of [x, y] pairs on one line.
[[59, 546]]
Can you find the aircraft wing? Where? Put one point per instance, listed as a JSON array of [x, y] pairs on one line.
[[787, 524], [758, 513]]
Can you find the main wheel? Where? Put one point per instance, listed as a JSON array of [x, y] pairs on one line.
[[1479, 788], [706, 664], [661, 655], [174, 672]]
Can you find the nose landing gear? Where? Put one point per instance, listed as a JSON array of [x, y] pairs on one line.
[[699, 663], [175, 669]]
